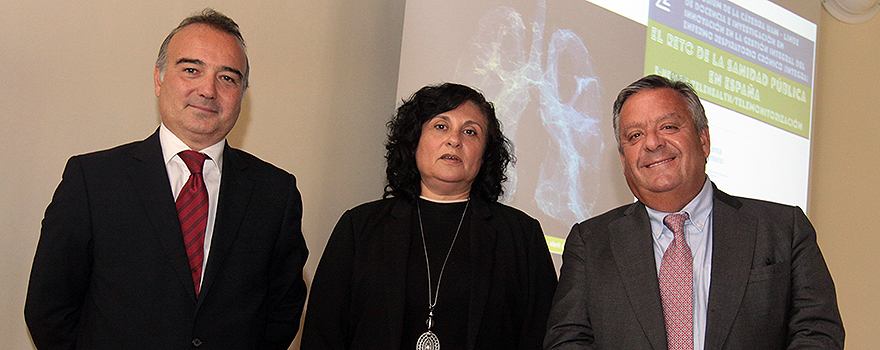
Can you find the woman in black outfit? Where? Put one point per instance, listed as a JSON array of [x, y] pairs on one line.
[[438, 260]]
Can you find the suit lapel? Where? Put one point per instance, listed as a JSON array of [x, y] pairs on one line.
[[632, 247], [235, 194], [150, 179], [395, 248], [482, 247], [733, 246]]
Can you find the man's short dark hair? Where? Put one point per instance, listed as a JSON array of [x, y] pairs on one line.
[[215, 20]]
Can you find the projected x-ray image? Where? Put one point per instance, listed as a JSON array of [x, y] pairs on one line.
[[512, 65], [552, 69]]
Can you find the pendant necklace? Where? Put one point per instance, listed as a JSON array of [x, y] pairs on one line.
[[429, 340]]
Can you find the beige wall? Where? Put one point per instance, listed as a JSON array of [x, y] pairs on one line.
[[77, 77], [845, 178]]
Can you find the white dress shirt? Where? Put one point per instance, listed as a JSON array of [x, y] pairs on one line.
[[178, 174], [698, 234]]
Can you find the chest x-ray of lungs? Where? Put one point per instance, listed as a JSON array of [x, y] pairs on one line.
[[552, 70], [522, 74]]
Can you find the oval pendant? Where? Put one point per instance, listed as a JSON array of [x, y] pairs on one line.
[[428, 341]]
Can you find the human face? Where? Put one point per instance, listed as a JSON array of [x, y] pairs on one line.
[[663, 154], [450, 152], [201, 91]]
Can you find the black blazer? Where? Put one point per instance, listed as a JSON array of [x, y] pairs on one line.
[[111, 271], [357, 296], [770, 286]]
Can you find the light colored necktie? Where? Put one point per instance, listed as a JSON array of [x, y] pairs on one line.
[[677, 286], [192, 208]]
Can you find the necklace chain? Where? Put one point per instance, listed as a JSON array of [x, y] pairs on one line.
[[432, 297]]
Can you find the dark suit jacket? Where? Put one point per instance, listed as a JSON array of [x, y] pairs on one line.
[[770, 286], [111, 271], [357, 296]]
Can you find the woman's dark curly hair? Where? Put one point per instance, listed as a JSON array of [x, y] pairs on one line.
[[405, 129]]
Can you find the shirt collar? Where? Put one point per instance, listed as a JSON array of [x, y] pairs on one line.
[[172, 145], [698, 211]]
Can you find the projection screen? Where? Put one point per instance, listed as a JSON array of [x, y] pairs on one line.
[[553, 70]]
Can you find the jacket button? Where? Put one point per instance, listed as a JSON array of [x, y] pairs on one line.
[[197, 342]]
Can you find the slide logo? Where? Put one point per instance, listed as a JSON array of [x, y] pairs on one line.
[[663, 5]]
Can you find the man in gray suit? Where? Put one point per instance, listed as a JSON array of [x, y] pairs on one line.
[[738, 273]]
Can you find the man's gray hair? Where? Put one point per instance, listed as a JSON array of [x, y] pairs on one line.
[[652, 82]]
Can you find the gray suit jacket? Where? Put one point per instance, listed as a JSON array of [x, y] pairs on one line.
[[770, 286]]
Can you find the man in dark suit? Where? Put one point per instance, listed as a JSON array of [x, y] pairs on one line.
[[721, 272], [120, 257]]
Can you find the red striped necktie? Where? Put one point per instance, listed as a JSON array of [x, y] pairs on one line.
[[192, 208]]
